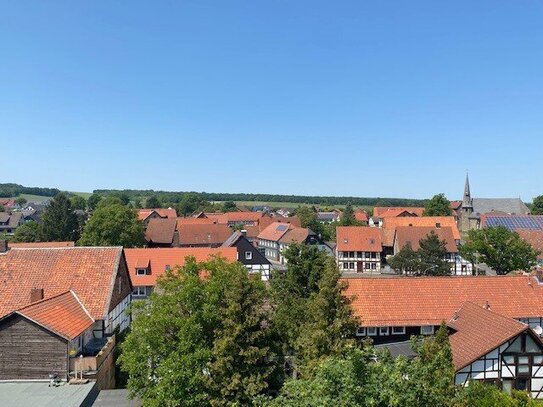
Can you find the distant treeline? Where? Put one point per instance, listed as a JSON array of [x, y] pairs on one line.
[[174, 197], [13, 190]]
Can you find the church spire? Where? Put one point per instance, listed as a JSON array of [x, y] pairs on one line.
[[467, 202]]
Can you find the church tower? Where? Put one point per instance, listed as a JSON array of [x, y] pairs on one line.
[[467, 209]]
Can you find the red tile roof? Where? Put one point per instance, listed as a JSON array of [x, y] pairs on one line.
[[428, 221], [295, 235], [534, 237], [88, 271], [361, 215], [358, 238], [415, 301], [392, 211], [414, 235], [229, 217], [158, 259], [160, 231], [40, 244], [63, 314], [162, 212], [203, 234], [190, 220], [478, 332], [275, 231]]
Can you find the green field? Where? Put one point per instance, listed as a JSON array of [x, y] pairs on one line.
[[289, 205]]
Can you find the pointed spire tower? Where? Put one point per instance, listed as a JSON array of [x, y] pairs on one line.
[[467, 202]]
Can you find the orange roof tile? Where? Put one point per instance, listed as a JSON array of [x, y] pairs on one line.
[[31, 245], [415, 301], [162, 212], [479, 331], [63, 314], [160, 230], [203, 234], [379, 211], [190, 220], [413, 235], [88, 271], [361, 215], [295, 235], [358, 238], [425, 221], [275, 231], [158, 259], [229, 217]]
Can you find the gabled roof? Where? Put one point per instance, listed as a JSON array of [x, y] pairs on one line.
[[393, 211], [190, 220], [361, 215], [275, 231], [413, 235], [157, 260], [232, 217], [296, 235], [416, 301], [424, 221], [88, 271], [63, 314], [358, 238], [160, 230], [208, 234], [479, 331], [507, 205], [233, 239], [512, 222], [162, 212]]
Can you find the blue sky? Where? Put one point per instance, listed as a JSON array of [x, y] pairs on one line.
[[363, 98]]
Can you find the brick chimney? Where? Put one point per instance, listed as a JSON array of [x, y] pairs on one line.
[[36, 294], [3, 246]]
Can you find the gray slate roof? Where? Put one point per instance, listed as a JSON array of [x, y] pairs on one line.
[[507, 205]]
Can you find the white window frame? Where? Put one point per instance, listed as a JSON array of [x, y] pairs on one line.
[[428, 328], [137, 291], [139, 272], [371, 331], [398, 330], [248, 255], [361, 331], [384, 331]]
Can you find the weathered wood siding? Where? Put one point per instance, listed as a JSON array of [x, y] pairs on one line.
[[27, 351]]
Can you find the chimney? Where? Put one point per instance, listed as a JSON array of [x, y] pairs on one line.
[[3, 246], [36, 294], [243, 232], [487, 305]]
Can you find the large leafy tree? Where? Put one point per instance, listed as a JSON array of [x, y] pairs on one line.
[[59, 220], [113, 224], [432, 252], [152, 202], [190, 202], [78, 202], [500, 249], [439, 205], [537, 205], [93, 201], [406, 260], [29, 232], [200, 341]]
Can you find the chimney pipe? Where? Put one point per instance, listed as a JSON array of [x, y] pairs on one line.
[[36, 294]]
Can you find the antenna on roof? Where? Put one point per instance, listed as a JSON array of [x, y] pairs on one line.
[[487, 305]]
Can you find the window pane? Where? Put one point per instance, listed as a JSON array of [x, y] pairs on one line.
[[507, 386], [510, 360], [531, 346], [523, 369], [538, 360], [523, 360], [515, 346]]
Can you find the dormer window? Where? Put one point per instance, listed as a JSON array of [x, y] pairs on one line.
[[141, 272], [167, 268]]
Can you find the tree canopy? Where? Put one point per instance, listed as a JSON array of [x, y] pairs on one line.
[[500, 249], [537, 205], [152, 202], [113, 224], [29, 232], [59, 220], [439, 205]]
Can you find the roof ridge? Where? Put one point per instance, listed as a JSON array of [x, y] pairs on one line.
[[42, 300], [82, 306]]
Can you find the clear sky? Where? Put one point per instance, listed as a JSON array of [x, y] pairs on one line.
[[362, 98]]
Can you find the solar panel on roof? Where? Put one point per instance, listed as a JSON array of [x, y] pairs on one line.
[[282, 228], [516, 222]]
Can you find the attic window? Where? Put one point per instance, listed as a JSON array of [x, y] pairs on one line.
[[141, 271], [167, 268]]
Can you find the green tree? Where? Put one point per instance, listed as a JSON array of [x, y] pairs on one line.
[[152, 202], [307, 216], [93, 201], [200, 342], [189, 203], [229, 206], [78, 202], [347, 217], [113, 224], [20, 201], [500, 249], [537, 205], [439, 205], [406, 260], [29, 232], [59, 221], [432, 252], [2, 208]]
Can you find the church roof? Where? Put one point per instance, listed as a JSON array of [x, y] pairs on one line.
[[507, 205]]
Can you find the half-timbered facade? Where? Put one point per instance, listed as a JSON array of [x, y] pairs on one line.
[[359, 248]]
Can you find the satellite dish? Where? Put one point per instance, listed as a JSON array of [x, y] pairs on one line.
[[538, 330]]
